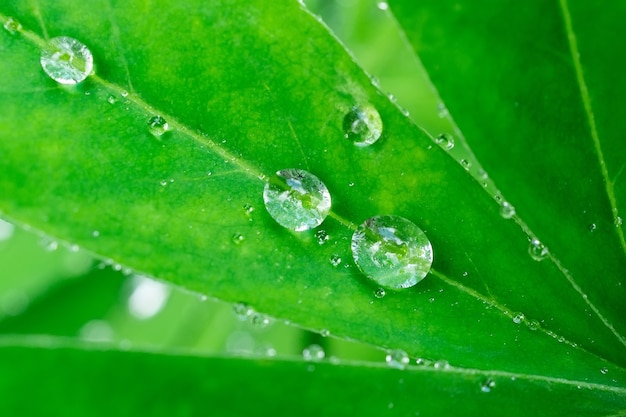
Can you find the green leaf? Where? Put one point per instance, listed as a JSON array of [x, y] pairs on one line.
[[248, 89], [80, 380]]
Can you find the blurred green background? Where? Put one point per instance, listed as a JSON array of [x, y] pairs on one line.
[[52, 288]]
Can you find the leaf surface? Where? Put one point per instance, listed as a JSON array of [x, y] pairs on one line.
[[248, 89]]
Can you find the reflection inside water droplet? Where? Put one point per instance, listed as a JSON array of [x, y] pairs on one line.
[[66, 60], [392, 251], [363, 125], [297, 199]]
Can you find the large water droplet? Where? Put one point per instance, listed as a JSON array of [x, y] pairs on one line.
[[12, 25], [445, 140], [313, 353], [297, 199], [66, 60], [397, 358], [158, 126], [392, 251], [363, 125], [537, 250]]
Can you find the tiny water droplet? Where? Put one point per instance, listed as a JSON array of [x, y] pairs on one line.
[[507, 210], [163, 183], [442, 110], [604, 371], [487, 385], [380, 293], [158, 126], [382, 5], [248, 209], [397, 358], [297, 199], [465, 274], [335, 260], [12, 25], [259, 320], [534, 325], [49, 245], [518, 318], [445, 140], [322, 237], [313, 353], [111, 99], [441, 364], [592, 227], [66, 60], [537, 250], [363, 125], [466, 164], [325, 332], [618, 221], [238, 238], [242, 311], [392, 251], [95, 233]]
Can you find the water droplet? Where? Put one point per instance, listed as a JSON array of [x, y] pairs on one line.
[[313, 353], [534, 325], [248, 209], [442, 110], [465, 274], [124, 94], [380, 293], [441, 364], [537, 250], [507, 210], [604, 371], [49, 245], [12, 25], [66, 60], [242, 311], [466, 164], [335, 260], [518, 318], [325, 332], [618, 221], [297, 199], [592, 227], [382, 5], [158, 126], [321, 236], [111, 99], [487, 385], [392, 251], [445, 140], [95, 233], [238, 238], [259, 320], [397, 358], [362, 125]]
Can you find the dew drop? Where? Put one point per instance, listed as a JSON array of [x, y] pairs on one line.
[[335, 260], [441, 364], [238, 238], [537, 250], [363, 125], [618, 221], [313, 353], [604, 371], [322, 237], [533, 325], [297, 199], [12, 25], [111, 99], [518, 318], [397, 358], [242, 311], [259, 320], [158, 126], [445, 140], [325, 332], [592, 227], [442, 110], [487, 385], [507, 210], [392, 251], [248, 209], [66, 60], [466, 164], [382, 5], [380, 293], [95, 233]]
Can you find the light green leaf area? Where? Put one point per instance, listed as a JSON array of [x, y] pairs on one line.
[[70, 383], [249, 88]]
